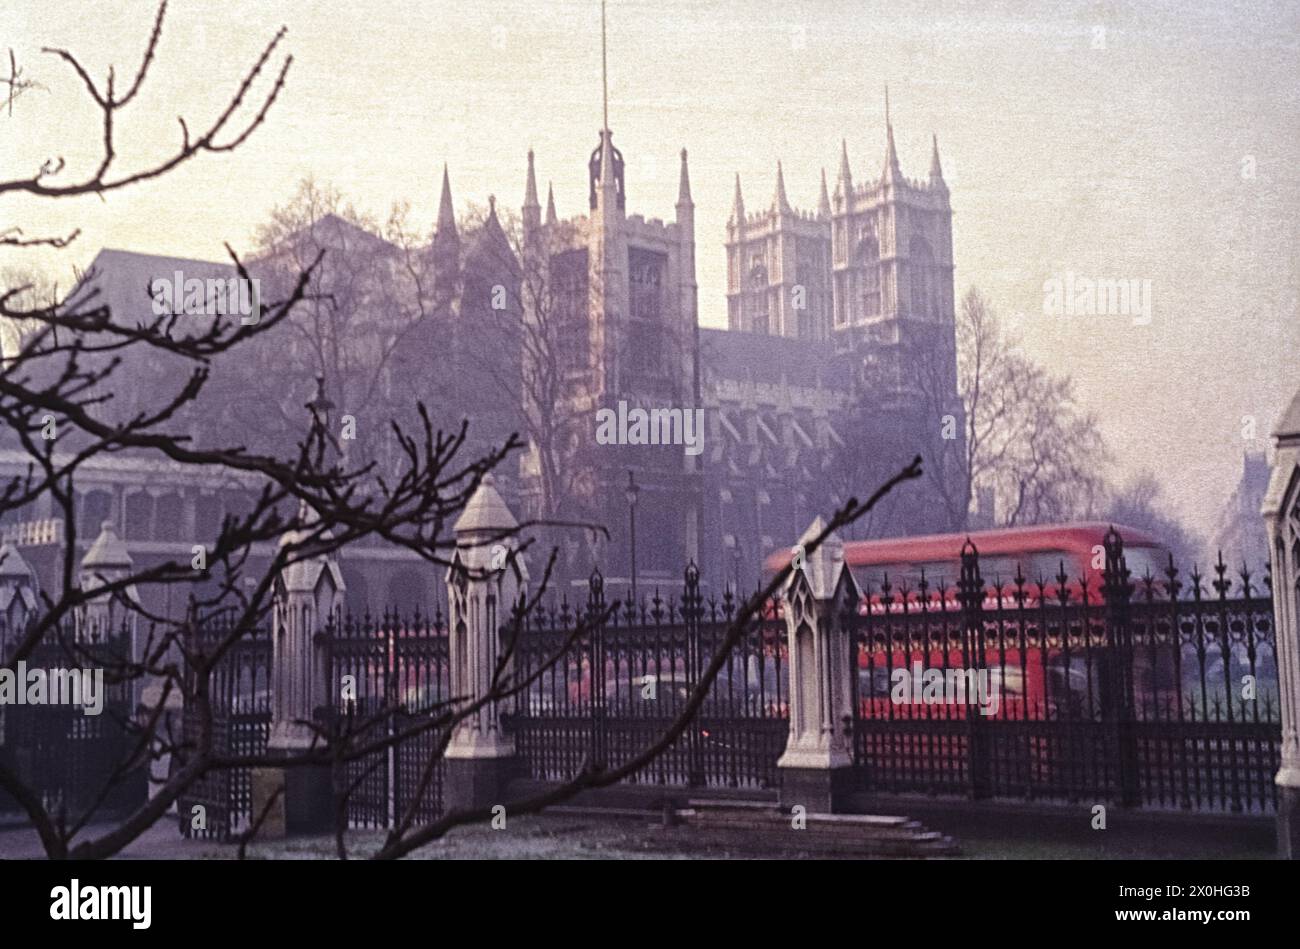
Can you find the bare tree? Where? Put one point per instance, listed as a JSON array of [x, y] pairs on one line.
[[543, 320], [1140, 502], [311, 501], [1011, 426], [16, 83], [371, 293], [34, 290], [56, 398]]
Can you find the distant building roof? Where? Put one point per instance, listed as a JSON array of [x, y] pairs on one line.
[[763, 358], [123, 280]]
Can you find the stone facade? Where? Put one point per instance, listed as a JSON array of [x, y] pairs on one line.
[[825, 309]]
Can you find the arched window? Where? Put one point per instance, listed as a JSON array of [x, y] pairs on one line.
[[868, 259], [921, 267]]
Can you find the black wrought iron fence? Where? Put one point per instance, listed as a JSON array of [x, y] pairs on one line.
[[1145, 691], [606, 695], [391, 679], [239, 690], [1150, 691], [77, 759]]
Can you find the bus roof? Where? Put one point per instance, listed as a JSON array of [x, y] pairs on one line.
[[1078, 537]]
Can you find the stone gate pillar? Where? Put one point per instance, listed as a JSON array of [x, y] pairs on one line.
[[17, 596], [1281, 510], [483, 585], [108, 614], [308, 595], [107, 561], [816, 766]]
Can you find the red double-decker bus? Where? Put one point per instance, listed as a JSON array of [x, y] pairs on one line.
[[1029, 685], [1040, 552]]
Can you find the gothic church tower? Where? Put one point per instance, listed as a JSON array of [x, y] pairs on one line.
[[621, 299]]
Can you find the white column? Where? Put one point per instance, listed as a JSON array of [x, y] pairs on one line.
[[107, 561], [820, 696], [483, 584], [308, 594], [1281, 511]]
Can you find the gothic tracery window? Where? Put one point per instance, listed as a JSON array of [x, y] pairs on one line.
[[868, 258], [921, 264], [647, 329], [758, 294]]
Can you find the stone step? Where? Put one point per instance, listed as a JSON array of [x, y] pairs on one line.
[[731, 824], [771, 842]]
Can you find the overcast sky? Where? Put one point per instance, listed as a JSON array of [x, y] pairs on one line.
[[1109, 140]]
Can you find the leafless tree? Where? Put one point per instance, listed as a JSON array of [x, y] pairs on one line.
[[1012, 426], [311, 501], [543, 319], [1140, 502], [16, 83], [56, 400], [371, 292], [1027, 436]]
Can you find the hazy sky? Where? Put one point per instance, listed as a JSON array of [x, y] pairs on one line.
[[1109, 140]]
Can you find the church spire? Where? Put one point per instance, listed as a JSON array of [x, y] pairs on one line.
[[779, 201], [605, 168], [532, 211], [936, 171], [824, 200], [550, 204], [844, 185], [684, 186], [446, 227], [530, 186], [446, 242], [738, 204], [892, 172]]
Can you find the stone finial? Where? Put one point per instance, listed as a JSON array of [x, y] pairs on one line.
[[780, 203], [822, 566], [486, 511], [108, 552]]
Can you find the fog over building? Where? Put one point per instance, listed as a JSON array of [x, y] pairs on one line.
[[825, 306]]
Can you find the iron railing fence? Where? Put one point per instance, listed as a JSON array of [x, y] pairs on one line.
[[605, 687], [391, 680], [239, 695], [79, 762], [1156, 693]]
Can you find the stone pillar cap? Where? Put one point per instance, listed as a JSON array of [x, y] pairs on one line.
[[108, 550], [823, 565], [486, 511], [12, 564]]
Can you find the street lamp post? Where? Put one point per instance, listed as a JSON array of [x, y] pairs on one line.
[[632, 491]]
